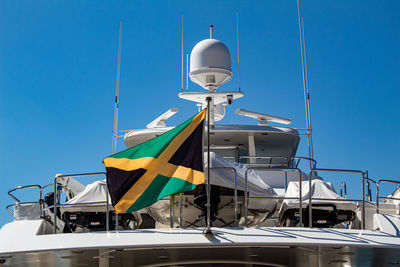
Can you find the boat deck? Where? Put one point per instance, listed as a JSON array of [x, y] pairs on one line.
[[268, 246]]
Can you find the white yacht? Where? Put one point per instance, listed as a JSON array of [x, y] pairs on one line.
[[269, 206]]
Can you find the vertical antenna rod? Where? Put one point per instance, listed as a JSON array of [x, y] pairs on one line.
[[306, 95], [115, 127], [116, 107], [187, 72], [182, 55], [211, 31], [308, 92], [237, 35]]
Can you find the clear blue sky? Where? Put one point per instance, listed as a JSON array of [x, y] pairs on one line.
[[58, 70]]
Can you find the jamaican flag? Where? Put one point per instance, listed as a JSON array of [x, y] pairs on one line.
[[168, 164]]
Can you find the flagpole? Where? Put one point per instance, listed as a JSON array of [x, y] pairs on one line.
[[208, 229]]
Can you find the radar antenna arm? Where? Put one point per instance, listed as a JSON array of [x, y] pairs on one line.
[[261, 117], [160, 121]]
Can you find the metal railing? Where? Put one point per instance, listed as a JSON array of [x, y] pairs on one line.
[[292, 166], [312, 161], [291, 162], [9, 210], [247, 198], [377, 192], [40, 202], [252, 160]]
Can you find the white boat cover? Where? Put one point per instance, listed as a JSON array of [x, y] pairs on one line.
[[395, 194], [92, 198], [319, 189]]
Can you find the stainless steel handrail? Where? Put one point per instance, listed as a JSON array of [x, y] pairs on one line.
[[27, 187], [263, 157], [48, 185], [368, 180], [300, 198], [337, 170], [24, 187], [76, 175], [377, 191], [9, 210], [288, 160], [314, 162]]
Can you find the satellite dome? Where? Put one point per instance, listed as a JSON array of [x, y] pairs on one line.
[[210, 64]]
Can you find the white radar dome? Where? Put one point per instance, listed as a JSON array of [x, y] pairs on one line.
[[210, 64]]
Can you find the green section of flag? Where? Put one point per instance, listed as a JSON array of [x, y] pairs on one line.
[[161, 187]]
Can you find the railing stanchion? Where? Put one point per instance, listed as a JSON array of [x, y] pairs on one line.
[[245, 198], [180, 210], [377, 197], [363, 202], [310, 200], [171, 221], [41, 206], [300, 200], [55, 205], [235, 199], [107, 208]]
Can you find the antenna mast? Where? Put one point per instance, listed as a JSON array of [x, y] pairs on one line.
[[308, 92], [182, 57], [305, 83], [237, 35], [187, 72], [115, 127]]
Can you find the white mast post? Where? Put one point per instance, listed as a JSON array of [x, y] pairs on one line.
[[238, 54], [208, 231]]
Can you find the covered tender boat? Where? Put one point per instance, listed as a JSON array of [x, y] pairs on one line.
[[329, 209]]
